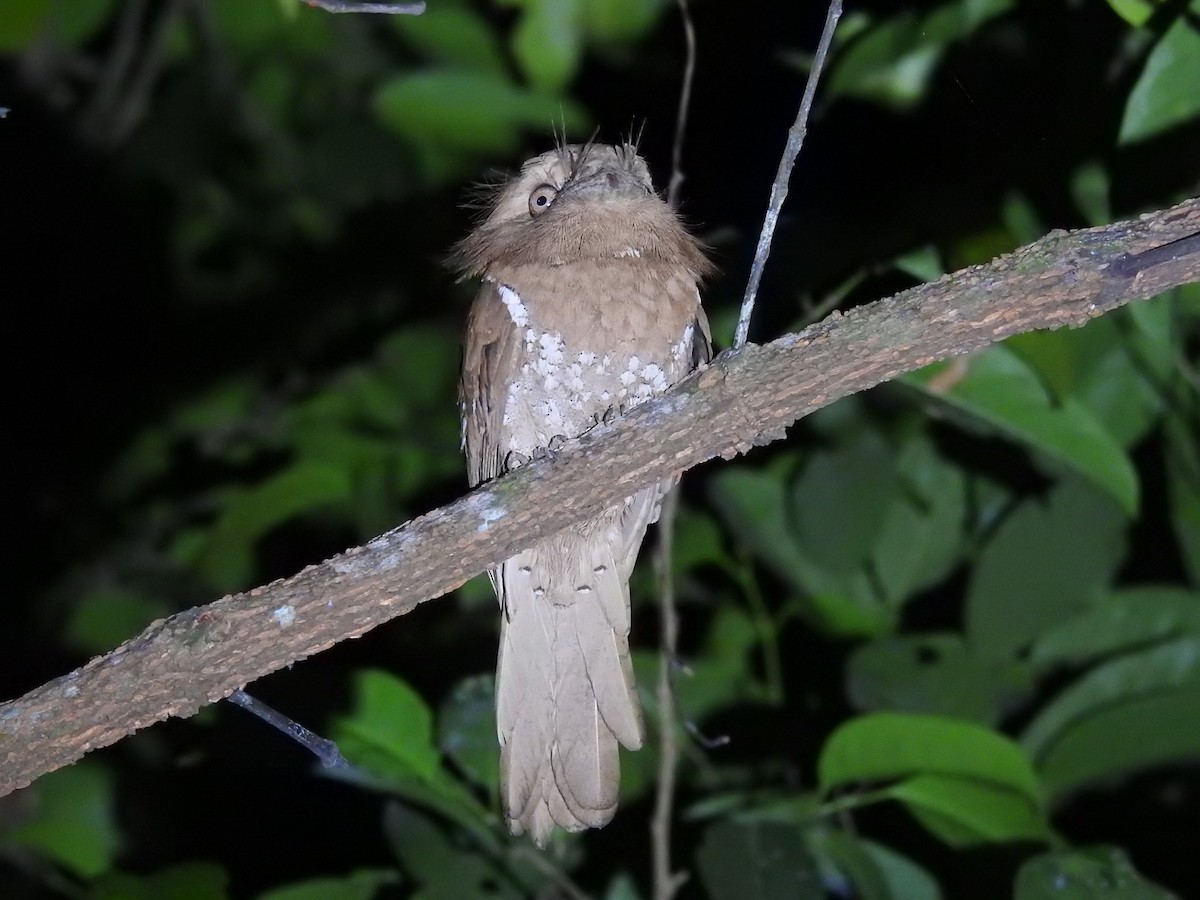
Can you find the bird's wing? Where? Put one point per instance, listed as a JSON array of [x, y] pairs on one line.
[[642, 509], [492, 342]]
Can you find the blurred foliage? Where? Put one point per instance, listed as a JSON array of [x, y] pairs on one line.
[[931, 624]]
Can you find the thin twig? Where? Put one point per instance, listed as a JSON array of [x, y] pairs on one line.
[[536, 859], [116, 69], [132, 106], [387, 9], [323, 749], [666, 882], [779, 188], [685, 102]]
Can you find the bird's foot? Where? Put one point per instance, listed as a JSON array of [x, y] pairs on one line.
[[613, 413], [515, 460]]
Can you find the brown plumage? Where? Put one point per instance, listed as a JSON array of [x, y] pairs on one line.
[[589, 303]]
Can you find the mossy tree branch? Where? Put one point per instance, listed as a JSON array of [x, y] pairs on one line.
[[199, 656]]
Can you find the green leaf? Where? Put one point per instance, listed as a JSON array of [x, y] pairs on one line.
[[621, 21], [752, 504], [755, 508], [248, 28], [1045, 564], [188, 881], [228, 559], [1173, 664], [892, 61], [1113, 366], [927, 673], [446, 869], [923, 264], [1136, 12], [454, 35], [962, 811], [905, 879], [723, 674], [875, 871], [105, 616], [1182, 452], [1021, 224], [841, 858], [1114, 741], [1003, 394], [467, 730], [74, 23], [20, 22], [548, 43], [389, 729], [883, 746], [698, 541], [467, 111], [389, 734], [1165, 95], [838, 501], [756, 861], [622, 887], [1128, 619], [363, 884], [1091, 187], [73, 822], [1093, 874], [922, 533]]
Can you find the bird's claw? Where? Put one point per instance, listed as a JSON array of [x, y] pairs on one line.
[[515, 460]]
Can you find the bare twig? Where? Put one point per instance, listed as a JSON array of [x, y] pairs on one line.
[[180, 664], [779, 188], [116, 68], [386, 9], [126, 114], [325, 750], [666, 882], [685, 102], [524, 852]]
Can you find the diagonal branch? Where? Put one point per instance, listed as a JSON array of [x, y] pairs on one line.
[[178, 665]]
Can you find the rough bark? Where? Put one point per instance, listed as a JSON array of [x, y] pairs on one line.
[[199, 656]]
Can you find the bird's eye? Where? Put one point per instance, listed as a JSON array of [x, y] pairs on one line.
[[541, 198]]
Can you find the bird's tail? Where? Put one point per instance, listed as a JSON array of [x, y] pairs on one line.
[[565, 694]]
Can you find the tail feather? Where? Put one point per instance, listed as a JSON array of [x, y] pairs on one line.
[[565, 694]]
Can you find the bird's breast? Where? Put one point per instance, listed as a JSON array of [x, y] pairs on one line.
[[592, 338]]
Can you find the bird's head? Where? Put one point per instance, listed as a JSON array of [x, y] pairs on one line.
[[578, 202]]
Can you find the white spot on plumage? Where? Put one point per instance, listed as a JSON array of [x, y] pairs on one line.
[[683, 350], [516, 309], [552, 417], [654, 377], [551, 347], [629, 252]]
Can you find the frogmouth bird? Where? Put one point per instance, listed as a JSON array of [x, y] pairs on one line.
[[589, 304]]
